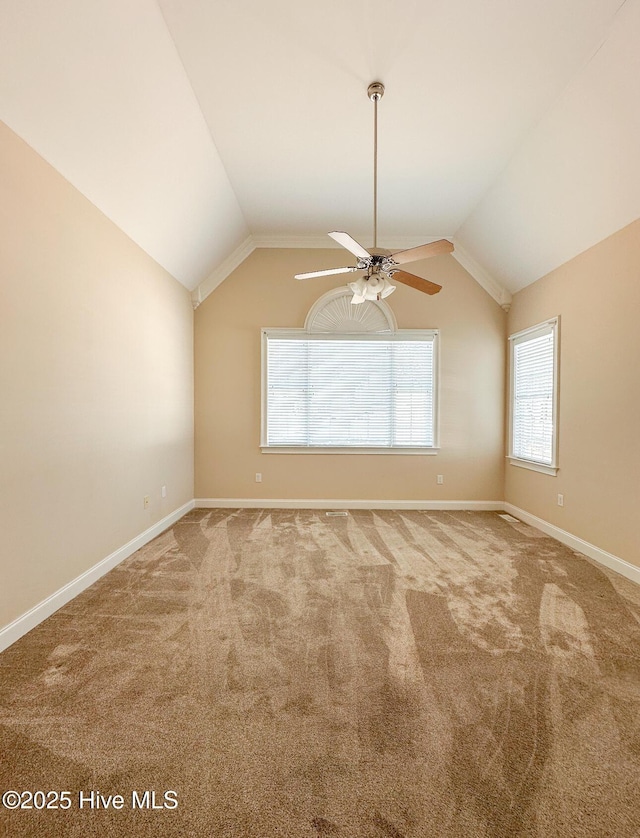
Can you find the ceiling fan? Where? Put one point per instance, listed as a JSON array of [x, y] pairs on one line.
[[380, 265]]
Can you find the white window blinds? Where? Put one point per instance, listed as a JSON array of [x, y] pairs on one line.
[[533, 394], [350, 391]]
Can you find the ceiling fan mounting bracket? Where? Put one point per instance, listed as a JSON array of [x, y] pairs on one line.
[[375, 91]]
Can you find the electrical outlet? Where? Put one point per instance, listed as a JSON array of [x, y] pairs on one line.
[[440, 479], [163, 491], [146, 501], [560, 500], [258, 477]]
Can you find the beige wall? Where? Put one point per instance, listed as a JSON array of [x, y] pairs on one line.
[[597, 296], [96, 387], [263, 293]]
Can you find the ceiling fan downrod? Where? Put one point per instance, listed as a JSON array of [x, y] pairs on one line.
[[380, 265], [375, 92]]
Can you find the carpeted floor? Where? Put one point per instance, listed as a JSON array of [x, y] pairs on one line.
[[383, 675]]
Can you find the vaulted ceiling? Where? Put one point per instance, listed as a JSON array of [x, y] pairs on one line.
[[510, 127]]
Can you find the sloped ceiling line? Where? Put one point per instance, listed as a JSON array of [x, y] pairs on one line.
[[499, 293], [525, 150], [575, 178], [251, 243], [225, 269]]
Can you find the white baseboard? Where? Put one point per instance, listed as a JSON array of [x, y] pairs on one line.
[[621, 566], [15, 630], [271, 503]]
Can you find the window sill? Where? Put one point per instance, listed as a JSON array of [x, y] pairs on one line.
[[533, 466], [292, 449]]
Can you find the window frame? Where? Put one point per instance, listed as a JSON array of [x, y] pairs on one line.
[[302, 334], [551, 325]]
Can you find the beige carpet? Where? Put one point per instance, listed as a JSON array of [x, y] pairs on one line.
[[385, 675]]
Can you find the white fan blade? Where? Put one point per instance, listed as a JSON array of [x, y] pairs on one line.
[[326, 273], [351, 244], [424, 251]]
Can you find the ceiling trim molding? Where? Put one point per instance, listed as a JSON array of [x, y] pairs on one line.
[[218, 276], [304, 242], [481, 276], [324, 241], [251, 243]]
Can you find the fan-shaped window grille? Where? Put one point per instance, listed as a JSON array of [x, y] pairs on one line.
[[349, 381], [334, 312]]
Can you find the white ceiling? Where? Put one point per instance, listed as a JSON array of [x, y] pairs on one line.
[[510, 126]]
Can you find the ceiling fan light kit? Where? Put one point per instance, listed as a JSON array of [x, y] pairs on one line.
[[379, 265], [375, 287]]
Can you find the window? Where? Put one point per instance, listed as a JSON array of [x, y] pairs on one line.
[[357, 392], [534, 397]]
